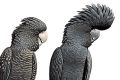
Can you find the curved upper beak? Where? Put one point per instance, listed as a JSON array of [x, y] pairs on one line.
[[94, 35], [43, 37]]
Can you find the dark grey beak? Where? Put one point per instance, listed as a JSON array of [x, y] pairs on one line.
[[94, 35]]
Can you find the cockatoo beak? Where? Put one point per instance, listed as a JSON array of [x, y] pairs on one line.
[[94, 35], [43, 37]]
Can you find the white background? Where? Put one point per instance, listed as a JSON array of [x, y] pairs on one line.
[[56, 13]]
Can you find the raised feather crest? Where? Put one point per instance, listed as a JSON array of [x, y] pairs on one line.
[[96, 16]]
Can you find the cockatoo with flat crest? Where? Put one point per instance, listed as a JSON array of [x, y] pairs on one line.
[[18, 62]]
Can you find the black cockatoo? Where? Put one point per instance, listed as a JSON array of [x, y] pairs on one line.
[[72, 60], [18, 62]]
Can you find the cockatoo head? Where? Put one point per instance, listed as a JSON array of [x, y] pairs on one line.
[[30, 34]]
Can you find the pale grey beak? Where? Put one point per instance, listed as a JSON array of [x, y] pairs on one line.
[[43, 37], [94, 35]]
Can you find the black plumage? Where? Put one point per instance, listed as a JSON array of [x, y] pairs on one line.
[[72, 60], [18, 62]]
